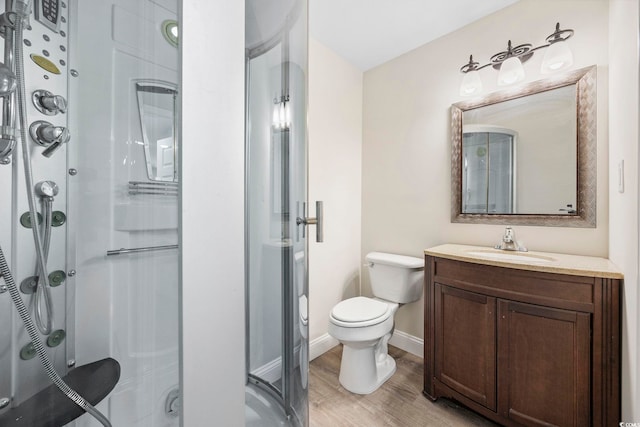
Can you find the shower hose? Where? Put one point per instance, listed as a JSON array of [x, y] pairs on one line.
[[42, 289], [4, 268]]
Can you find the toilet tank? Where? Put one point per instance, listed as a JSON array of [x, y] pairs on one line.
[[395, 278]]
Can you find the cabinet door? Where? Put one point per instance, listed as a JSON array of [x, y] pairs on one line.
[[465, 347], [543, 365]]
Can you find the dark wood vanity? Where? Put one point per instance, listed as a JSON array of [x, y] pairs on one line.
[[520, 346]]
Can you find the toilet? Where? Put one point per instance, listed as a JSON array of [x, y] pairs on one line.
[[364, 325]]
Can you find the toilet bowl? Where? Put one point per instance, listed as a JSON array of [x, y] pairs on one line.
[[364, 325]]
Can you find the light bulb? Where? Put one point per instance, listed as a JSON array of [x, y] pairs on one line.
[[511, 71], [282, 115], [276, 116], [557, 57], [471, 84], [287, 114]]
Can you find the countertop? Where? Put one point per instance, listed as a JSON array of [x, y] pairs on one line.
[[575, 265]]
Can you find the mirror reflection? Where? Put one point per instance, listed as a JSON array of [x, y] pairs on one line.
[[157, 109], [520, 155], [488, 170]]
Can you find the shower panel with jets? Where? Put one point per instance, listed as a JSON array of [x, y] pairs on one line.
[[89, 190]]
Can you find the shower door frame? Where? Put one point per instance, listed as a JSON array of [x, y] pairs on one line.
[[288, 285]]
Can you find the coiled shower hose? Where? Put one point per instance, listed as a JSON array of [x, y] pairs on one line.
[[4, 268], [39, 346]]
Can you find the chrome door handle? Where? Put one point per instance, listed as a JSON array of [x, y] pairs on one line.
[[318, 221]]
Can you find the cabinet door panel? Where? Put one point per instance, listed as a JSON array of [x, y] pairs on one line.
[[543, 365], [465, 353]]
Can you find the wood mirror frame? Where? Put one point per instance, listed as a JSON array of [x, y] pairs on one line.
[[586, 139]]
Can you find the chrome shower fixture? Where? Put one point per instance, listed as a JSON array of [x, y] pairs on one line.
[[8, 80], [22, 8], [48, 135], [8, 84], [10, 20], [47, 103], [48, 189]]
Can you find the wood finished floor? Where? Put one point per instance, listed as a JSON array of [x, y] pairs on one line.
[[398, 403]]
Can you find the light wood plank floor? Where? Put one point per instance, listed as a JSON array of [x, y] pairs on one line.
[[398, 403]]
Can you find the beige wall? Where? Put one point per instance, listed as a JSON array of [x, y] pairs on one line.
[[406, 140], [335, 149], [623, 229]]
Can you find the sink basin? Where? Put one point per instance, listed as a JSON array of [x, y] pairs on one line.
[[510, 256]]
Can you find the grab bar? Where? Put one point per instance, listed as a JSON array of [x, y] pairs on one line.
[[123, 251]]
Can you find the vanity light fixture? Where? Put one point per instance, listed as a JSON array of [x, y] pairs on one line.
[[509, 62], [281, 113]]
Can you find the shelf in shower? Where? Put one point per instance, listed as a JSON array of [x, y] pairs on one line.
[[51, 408], [153, 188]]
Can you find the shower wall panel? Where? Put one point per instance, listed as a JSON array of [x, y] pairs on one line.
[[122, 307], [128, 304]]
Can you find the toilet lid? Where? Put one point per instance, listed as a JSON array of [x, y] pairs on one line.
[[359, 309]]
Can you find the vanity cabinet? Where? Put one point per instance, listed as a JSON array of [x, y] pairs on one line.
[[523, 347], [465, 358]]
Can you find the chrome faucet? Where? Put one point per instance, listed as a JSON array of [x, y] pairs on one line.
[[47, 103], [509, 242]]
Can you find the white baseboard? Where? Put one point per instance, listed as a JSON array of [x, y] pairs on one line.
[[402, 340], [321, 345], [408, 343], [271, 371]]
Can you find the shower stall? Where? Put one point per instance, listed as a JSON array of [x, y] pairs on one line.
[[277, 214], [90, 184], [89, 189], [489, 170]]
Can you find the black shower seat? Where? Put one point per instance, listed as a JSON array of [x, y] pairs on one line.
[[51, 408]]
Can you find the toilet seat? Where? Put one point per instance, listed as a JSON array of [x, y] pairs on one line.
[[360, 312]]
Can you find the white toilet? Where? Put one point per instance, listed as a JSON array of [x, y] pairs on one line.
[[364, 325]]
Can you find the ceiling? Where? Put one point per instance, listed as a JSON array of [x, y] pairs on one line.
[[368, 33]]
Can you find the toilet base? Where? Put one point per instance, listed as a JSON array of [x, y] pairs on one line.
[[361, 373]]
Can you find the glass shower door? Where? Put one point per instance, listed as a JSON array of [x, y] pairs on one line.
[[276, 194]]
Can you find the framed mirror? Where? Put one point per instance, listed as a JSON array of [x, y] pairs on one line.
[[527, 156], [157, 107]]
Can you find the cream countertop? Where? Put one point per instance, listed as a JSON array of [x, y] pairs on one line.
[[575, 265]]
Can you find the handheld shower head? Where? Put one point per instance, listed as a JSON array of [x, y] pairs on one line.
[[22, 8], [8, 80]]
